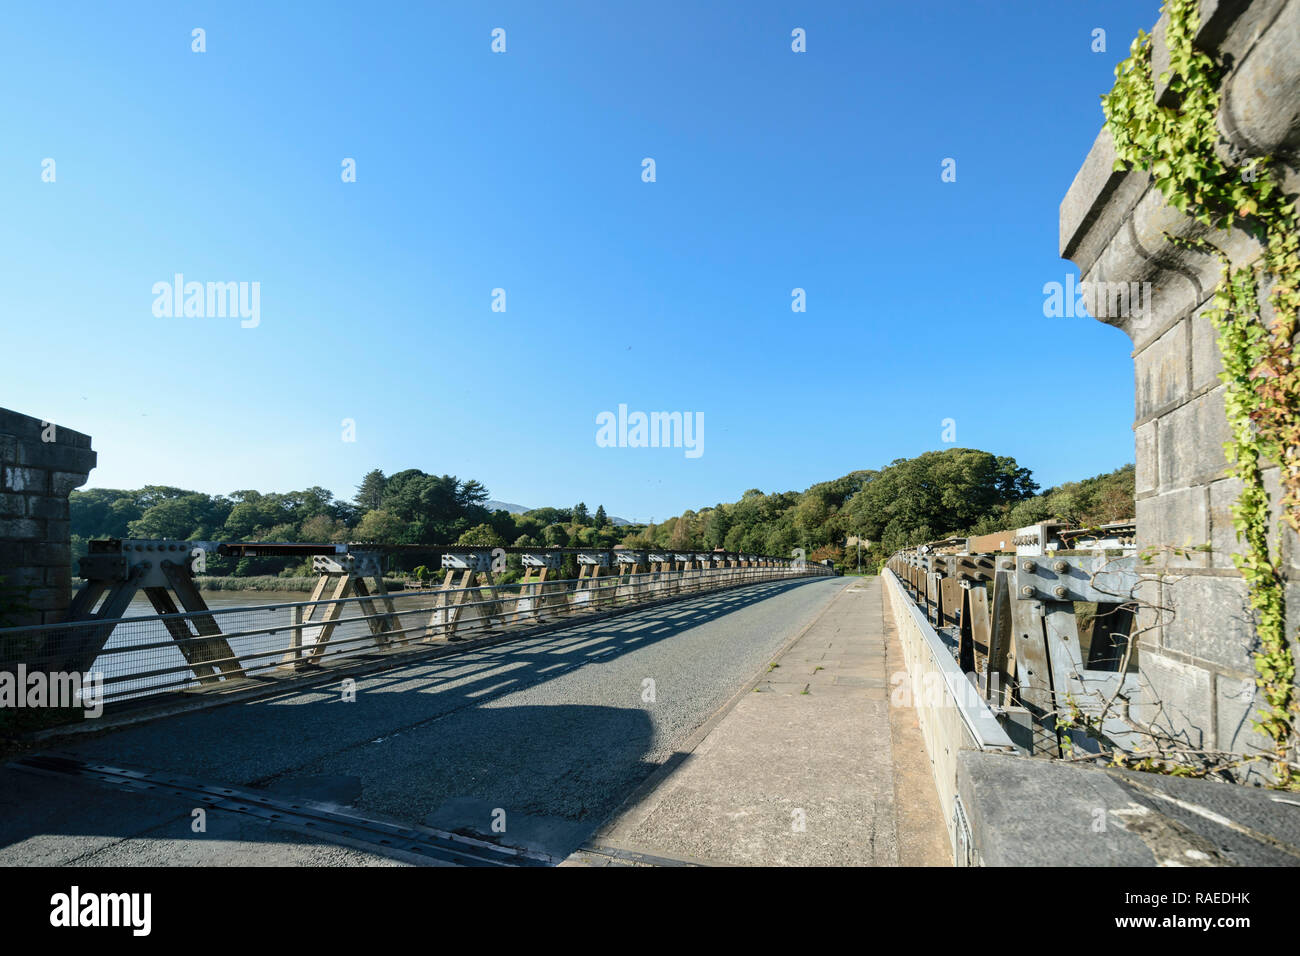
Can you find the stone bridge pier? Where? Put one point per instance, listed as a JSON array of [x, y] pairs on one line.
[[40, 463], [1115, 226]]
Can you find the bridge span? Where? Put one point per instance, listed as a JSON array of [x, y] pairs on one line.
[[516, 752], [350, 614]]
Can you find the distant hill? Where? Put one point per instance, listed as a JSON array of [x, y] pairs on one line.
[[493, 505]]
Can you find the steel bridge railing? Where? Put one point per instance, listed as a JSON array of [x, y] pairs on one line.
[[161, 653], [1043, 631]]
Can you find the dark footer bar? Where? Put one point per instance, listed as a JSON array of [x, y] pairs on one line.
[[230, 907]]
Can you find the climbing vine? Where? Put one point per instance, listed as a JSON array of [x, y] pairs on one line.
[[1175, 142]]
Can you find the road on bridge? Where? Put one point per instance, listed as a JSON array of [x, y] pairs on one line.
[[545, 736]]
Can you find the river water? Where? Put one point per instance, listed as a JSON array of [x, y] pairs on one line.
[[236, 611], [140, 605]]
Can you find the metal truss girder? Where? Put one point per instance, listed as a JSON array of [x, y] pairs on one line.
[[212, 654], [1034, 673]]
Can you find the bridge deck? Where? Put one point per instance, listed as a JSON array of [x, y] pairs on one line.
[[554, 731], [814, 741]]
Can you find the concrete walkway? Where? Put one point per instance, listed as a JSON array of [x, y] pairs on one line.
[[809, 766]]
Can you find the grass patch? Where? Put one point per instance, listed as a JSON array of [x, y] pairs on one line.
[[271, 582]]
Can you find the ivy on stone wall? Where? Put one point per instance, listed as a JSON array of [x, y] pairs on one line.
[[1176, 144]]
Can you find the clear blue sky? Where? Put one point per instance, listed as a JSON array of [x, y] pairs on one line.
[[522, 171]]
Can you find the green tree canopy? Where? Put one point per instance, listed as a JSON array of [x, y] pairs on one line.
[[481, 536], [370, 493]]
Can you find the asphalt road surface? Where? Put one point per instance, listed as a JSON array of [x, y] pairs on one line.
[[541, 738]]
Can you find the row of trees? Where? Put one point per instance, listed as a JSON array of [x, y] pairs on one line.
[[409, 508], [937, 494]]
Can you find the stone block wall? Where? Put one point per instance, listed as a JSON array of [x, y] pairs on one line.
[[40, 464], [1196, 664]]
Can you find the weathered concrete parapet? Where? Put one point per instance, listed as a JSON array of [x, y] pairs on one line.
[[1022, 811], [40, 464], [1114, 226]]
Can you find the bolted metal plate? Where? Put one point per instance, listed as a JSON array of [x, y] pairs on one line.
[[978, 567], [1034, 540], [935, 563], [363, 563], [541, 559], [1076, 578], [468, 560], [331, 564], [144, 557], [103, 567], [367, 563]]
